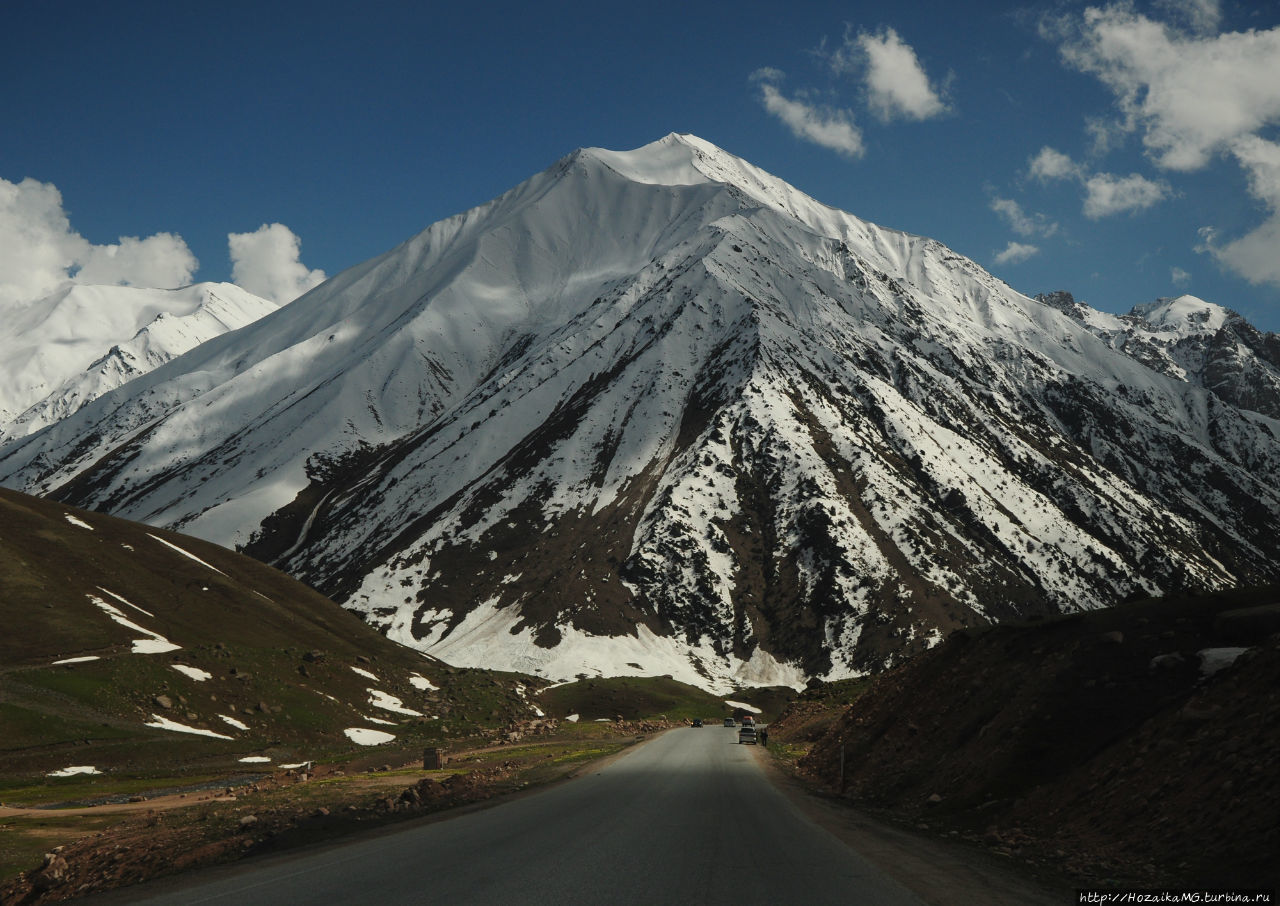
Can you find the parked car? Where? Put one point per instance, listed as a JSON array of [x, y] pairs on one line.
[[748, 735]]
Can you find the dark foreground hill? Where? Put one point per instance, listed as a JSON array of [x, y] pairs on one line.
[[1139, 743], [135, 650]]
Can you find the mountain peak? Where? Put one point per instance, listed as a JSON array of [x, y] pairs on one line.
[[682, 159], [668, 161], [1185, 314], [657, 411]]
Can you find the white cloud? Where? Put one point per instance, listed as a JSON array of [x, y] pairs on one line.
[[37, 246], [266, 262], [1194, 94], [39, 251], [1015, 252], [1107, 194], [162, 260], [1179, 277], [1191, 95], [1255, 255], [823, 126], [1050, 164], [1201, 16], [896, 83], [1261, 161], [1020, 221]]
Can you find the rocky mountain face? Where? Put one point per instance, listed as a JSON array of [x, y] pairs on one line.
[[1192, 340], [66, 350], [659, 412]]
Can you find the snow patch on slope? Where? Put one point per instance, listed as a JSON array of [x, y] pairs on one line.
[[488, 635]]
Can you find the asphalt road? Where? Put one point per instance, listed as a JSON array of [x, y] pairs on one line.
[[689, 817]]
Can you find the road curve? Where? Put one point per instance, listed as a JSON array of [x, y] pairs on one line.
[[689, 817]]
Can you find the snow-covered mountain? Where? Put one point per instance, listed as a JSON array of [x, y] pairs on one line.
[[660, 412], [1195, 341], [69, 348]]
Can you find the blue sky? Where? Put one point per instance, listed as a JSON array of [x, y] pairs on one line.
[[1123, 152]]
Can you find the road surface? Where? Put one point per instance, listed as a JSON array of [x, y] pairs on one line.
[[689, 817]]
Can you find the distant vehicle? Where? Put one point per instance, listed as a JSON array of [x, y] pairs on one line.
[[748, 719], [697, 721], [728, 722], [748, 735]]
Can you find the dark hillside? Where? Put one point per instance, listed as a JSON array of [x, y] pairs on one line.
[[1102, 743]]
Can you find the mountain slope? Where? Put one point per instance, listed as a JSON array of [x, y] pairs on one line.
[[1192, 340], [659, 412], [65, 350], [134, 649]]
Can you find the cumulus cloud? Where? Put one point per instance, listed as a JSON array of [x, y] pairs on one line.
[[1194, 95], [896, 83], [1107, 194], [266, 262], [825, 126], [39, 251], [162, 260], [1015, 252], [1050, 164], [37, 247], [1261, 161], [1254, 255], [1191, 95], [1020, 221]]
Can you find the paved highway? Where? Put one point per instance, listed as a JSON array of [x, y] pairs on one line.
[[689, 817]]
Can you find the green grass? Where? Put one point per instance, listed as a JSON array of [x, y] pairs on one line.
[[26, 726], [654, 698], [24, 793], [631, 698], [24, 841]]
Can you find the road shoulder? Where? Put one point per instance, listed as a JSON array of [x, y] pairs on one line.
[[938, 870]]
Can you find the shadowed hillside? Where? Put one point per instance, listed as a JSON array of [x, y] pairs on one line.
[[1139, 742]]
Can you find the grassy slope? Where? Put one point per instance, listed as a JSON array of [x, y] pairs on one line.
[[280, 656], [639, 698]]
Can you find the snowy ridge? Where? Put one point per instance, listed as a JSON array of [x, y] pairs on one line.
[[659, 412], [83, 341], [1194, 341]]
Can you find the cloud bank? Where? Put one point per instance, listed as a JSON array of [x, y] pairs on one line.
[[1194, 95], [39, 251]]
